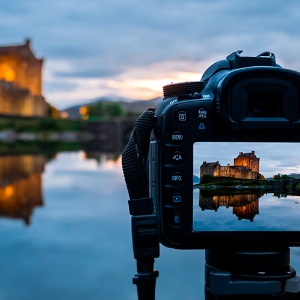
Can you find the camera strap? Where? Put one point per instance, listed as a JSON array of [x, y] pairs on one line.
[[143, 221]]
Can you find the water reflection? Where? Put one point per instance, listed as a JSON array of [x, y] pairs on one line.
[[244, 206], [21, 185], [232, 211]]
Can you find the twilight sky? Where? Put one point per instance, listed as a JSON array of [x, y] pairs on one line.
[[274, 158], [131, 48]]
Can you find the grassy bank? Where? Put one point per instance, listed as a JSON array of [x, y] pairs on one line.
[[230, 181], [27, 124], [37, 147]]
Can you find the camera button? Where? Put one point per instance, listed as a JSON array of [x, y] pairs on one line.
[[177, 178], [177, 137], [176, 198], [177, 157], [176, 219], [202, 114], [181, 116]]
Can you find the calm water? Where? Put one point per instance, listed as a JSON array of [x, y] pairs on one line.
[[65, 234], [246, 212]]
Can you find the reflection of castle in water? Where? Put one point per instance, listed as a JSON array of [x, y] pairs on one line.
[[20, 185], [245, 206], [246, 166]]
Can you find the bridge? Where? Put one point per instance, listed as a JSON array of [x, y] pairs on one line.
[[287, 186], [110, 135]]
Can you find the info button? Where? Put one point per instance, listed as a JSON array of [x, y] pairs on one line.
[[177, 137], [176, 178]]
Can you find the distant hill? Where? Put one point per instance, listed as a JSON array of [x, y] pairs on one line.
[[196, 179], [127, 105], [140, 105], [293, 175]]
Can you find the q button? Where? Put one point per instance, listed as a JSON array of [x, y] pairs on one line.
[[177, 157]]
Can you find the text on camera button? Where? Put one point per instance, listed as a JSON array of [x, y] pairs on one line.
[[177, 137], [176, 178], [202, 113]]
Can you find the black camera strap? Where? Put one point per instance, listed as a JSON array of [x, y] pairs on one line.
[[143, 221]]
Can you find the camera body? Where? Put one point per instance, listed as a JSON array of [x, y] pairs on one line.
[[242, 110]]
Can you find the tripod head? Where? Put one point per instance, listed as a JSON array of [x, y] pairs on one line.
[[232, 274]]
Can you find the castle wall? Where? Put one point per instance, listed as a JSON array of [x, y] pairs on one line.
[[209, 169], [17, 101], [237, 172], [29, 76], [21, 82]]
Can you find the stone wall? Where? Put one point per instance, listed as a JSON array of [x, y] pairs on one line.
[[19, 102]]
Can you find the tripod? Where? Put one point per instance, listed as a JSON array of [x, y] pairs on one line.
[[249, 275]]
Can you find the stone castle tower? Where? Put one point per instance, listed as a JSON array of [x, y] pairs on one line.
[[19, 65], [21, 81], [248, 160]]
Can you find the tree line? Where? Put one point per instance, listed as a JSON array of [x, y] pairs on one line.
[[106, 110]]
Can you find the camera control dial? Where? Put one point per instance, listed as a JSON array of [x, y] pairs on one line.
[[183, 89]]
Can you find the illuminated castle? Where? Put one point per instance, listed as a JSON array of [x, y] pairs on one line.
[[21, 82], [246, 166], [21, 185]]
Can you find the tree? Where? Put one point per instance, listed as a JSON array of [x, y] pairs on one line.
[[102, 110], [281, 176], [114, 109], [206, 178]]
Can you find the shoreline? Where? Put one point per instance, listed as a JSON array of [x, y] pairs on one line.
[[10, 135]]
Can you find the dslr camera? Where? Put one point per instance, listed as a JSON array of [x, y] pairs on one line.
[[224, 157]]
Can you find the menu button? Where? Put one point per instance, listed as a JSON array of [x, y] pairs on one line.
[[177, 137]]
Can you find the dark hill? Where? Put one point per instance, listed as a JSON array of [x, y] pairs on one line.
[[293, 175], [137, 106]]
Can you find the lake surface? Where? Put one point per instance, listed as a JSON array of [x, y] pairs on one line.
[[245, 212], [65, 233]]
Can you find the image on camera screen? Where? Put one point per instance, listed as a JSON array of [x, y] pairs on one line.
[[246, 186]]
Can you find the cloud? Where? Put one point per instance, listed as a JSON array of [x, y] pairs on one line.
[[274, 157], [109, 38]]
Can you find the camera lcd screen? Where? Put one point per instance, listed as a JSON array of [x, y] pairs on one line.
[[246, 186]]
